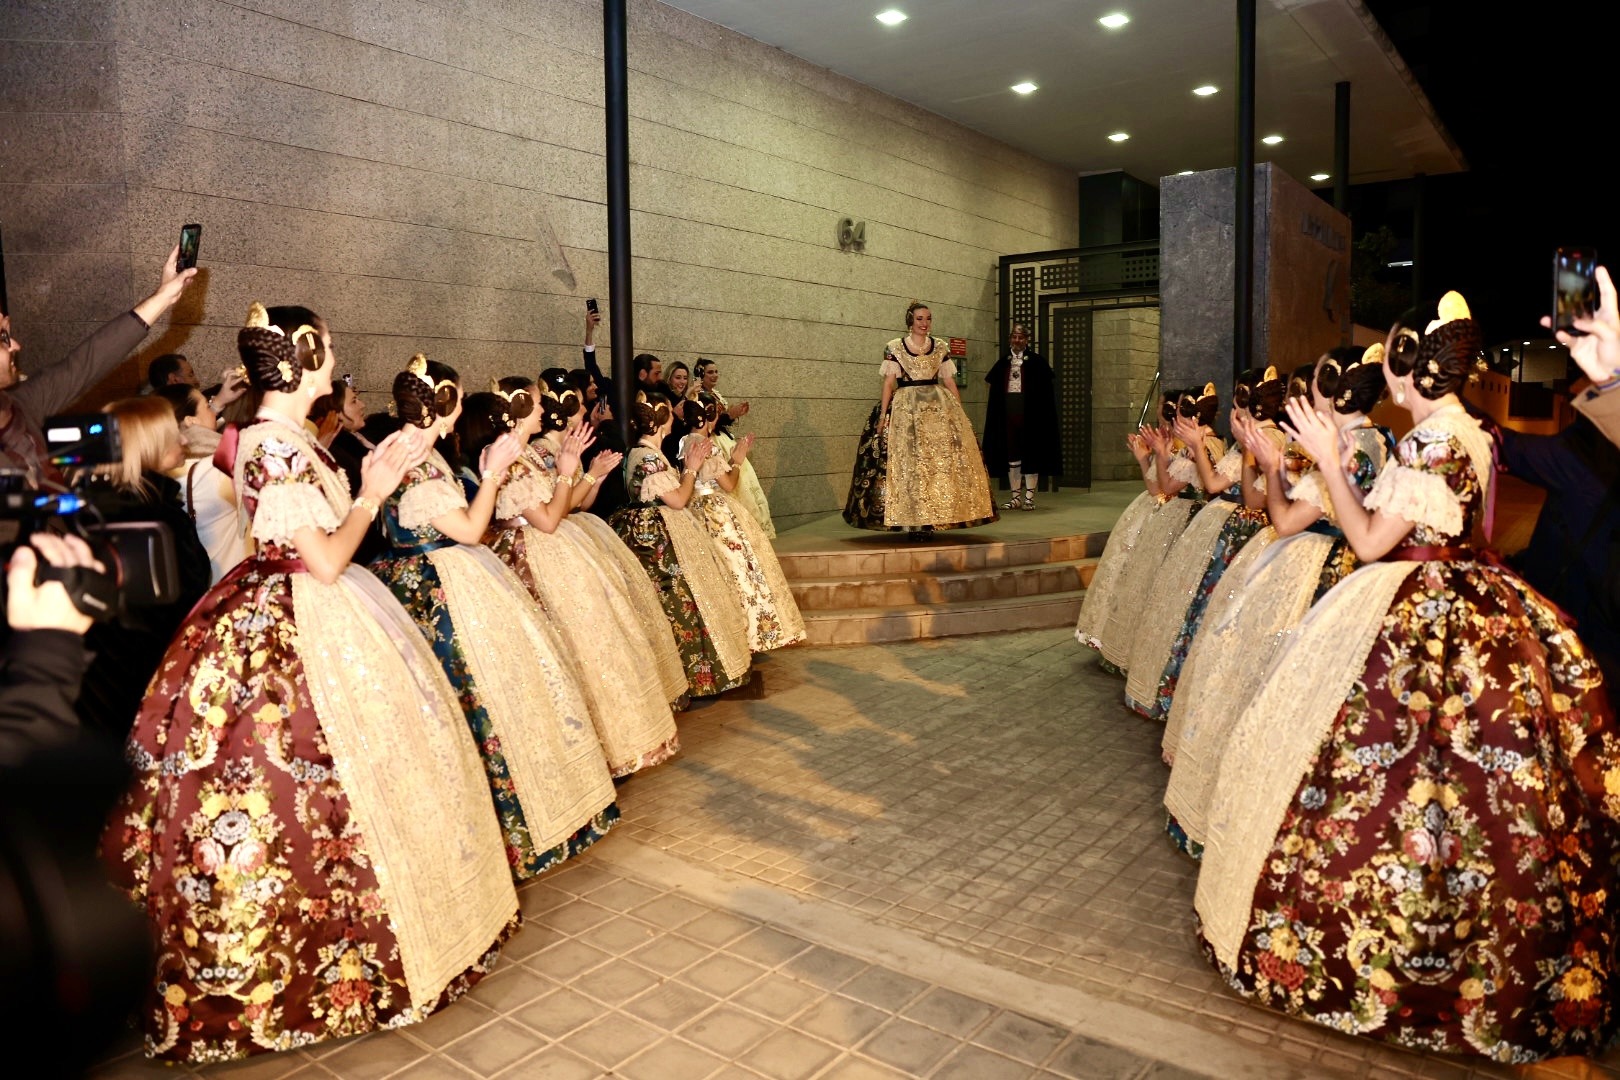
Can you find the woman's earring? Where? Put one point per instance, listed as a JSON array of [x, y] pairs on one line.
[[1400, 395]]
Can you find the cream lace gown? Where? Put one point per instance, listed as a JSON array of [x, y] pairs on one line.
[[1102, 594], [563, 571]]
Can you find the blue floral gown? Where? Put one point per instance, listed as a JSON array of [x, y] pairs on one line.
[[553, 794]]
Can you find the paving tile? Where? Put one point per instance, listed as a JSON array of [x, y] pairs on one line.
[[884, 988], [944, 1010], [490, 1049], [840, 1020], [668, 911], [669, 954], [768, 947], [375, 1056], [777, 996], [611, 1039], [670, 1004], [449, 1024], [854, 1068], [717, 928], [622, 895], [620, 935], [669, 1060], [559, 1013], [552, 1063], [1086, 1059], [616, 982], [511, 989], [977, 1063], [432, 1068], [788, 1055], [728, 1031], [722, 975], [824, 967], [567, 960], [909, 1047]]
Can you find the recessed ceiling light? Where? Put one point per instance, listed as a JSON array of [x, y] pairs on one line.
[[1024, 88], [892, 17], [1320, 176], [1272, 140], [1205, 91], [1115, 21], [1118, 136], [1184, 172]]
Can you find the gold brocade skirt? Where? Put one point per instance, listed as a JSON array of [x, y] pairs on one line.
[[1137, 577], [715, 593], [1102, 593], [935, 474], [638, 587], [750, 492], [773, 615]]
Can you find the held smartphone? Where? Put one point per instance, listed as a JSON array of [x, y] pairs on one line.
[[1574, 290], [190, 239], [590, 306]]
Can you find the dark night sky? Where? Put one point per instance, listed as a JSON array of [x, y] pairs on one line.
[[1529, 105]]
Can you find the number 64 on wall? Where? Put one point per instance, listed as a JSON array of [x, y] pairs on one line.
[[851, 234]]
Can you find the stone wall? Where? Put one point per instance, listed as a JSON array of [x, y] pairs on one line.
[[430, 175]]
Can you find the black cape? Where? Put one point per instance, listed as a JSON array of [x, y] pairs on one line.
[[1042, 452]]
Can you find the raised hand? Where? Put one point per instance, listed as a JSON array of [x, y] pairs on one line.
[[499, 455], [740, 454], [382, 470], [1597, 348], [604, 463], [1314, 432], [697, 451], [1187, 429]]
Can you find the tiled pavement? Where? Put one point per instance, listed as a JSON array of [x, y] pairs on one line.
[[941, 859]]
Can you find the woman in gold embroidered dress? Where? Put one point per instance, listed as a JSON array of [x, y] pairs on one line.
[[697, 594], [773, 615], [563, 572], [558, 395], [511, 670], [1102, 594], [309, 827], [919, 467], [1413, 834], [1180, 497], [1249, 619], [750, 492]]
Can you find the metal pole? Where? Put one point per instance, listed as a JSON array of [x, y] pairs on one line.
[[1341, 147], [1243, 218], [616, 97]]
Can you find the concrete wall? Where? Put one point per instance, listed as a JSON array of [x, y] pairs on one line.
[[430, 175]]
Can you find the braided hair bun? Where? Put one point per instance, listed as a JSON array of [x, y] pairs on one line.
[[1444, 354], [1267, 394], [278, 345], [1351, 378], [647, 417], [425, 392]]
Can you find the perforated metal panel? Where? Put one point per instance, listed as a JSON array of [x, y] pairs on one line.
[[1023, 295], [1069, 353]]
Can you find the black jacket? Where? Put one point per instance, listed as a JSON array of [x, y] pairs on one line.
[[1042, 451], [348, 451], [39, 680], [129, 648]]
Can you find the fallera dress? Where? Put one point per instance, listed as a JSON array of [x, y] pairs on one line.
[[1248, 621], [1413, 834], [518, 687], [563, 572], [773, 615], [925, 472], [1102, 594], [1140, 574], [1246, 527], [309, 825], [750, 492], [619, 563], [698, 596]]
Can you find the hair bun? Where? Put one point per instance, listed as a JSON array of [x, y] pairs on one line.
[[270, 357]]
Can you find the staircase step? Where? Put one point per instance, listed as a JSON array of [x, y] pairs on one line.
[[864, 626], [938, 556], [893, 590]]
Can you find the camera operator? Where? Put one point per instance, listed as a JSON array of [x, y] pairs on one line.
[[24, 406], [73, 954]]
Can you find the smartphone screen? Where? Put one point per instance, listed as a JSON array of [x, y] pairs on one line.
[[190, 239], [590, 306], [1574, 291]]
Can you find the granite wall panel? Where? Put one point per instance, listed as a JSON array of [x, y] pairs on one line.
[[430, 174]]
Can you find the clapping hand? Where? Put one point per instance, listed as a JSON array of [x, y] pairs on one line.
[[696, 452], [1187, 429], [1597, 348], [382, 470], [604, 463], [740, 454], [499, 456], [575, 443], [1313, 431]]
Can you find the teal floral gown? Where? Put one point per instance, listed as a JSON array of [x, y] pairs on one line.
[[307, 826], [698, 595], [1413, 834], [553, 793]]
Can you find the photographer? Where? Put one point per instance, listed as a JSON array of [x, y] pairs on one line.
[[44, 657], [1597, 350], [24, 406]]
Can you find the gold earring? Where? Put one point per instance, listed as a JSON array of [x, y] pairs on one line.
[[1400, 395]]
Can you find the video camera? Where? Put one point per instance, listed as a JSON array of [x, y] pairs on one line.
[[142, 568]]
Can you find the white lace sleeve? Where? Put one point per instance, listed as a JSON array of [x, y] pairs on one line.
[[527, 487], [655, 485], [427, 500], [1230, 467], [284, 508], [1423, 498], [1181, 468], [1310, 489]]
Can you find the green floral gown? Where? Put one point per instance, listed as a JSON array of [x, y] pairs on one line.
[[520, 692]]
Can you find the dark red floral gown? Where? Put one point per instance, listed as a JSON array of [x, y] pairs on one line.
[[1444, 877], [240, 836]]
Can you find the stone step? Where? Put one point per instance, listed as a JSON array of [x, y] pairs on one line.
[[937, 556], [896, 590], [914, 622]]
